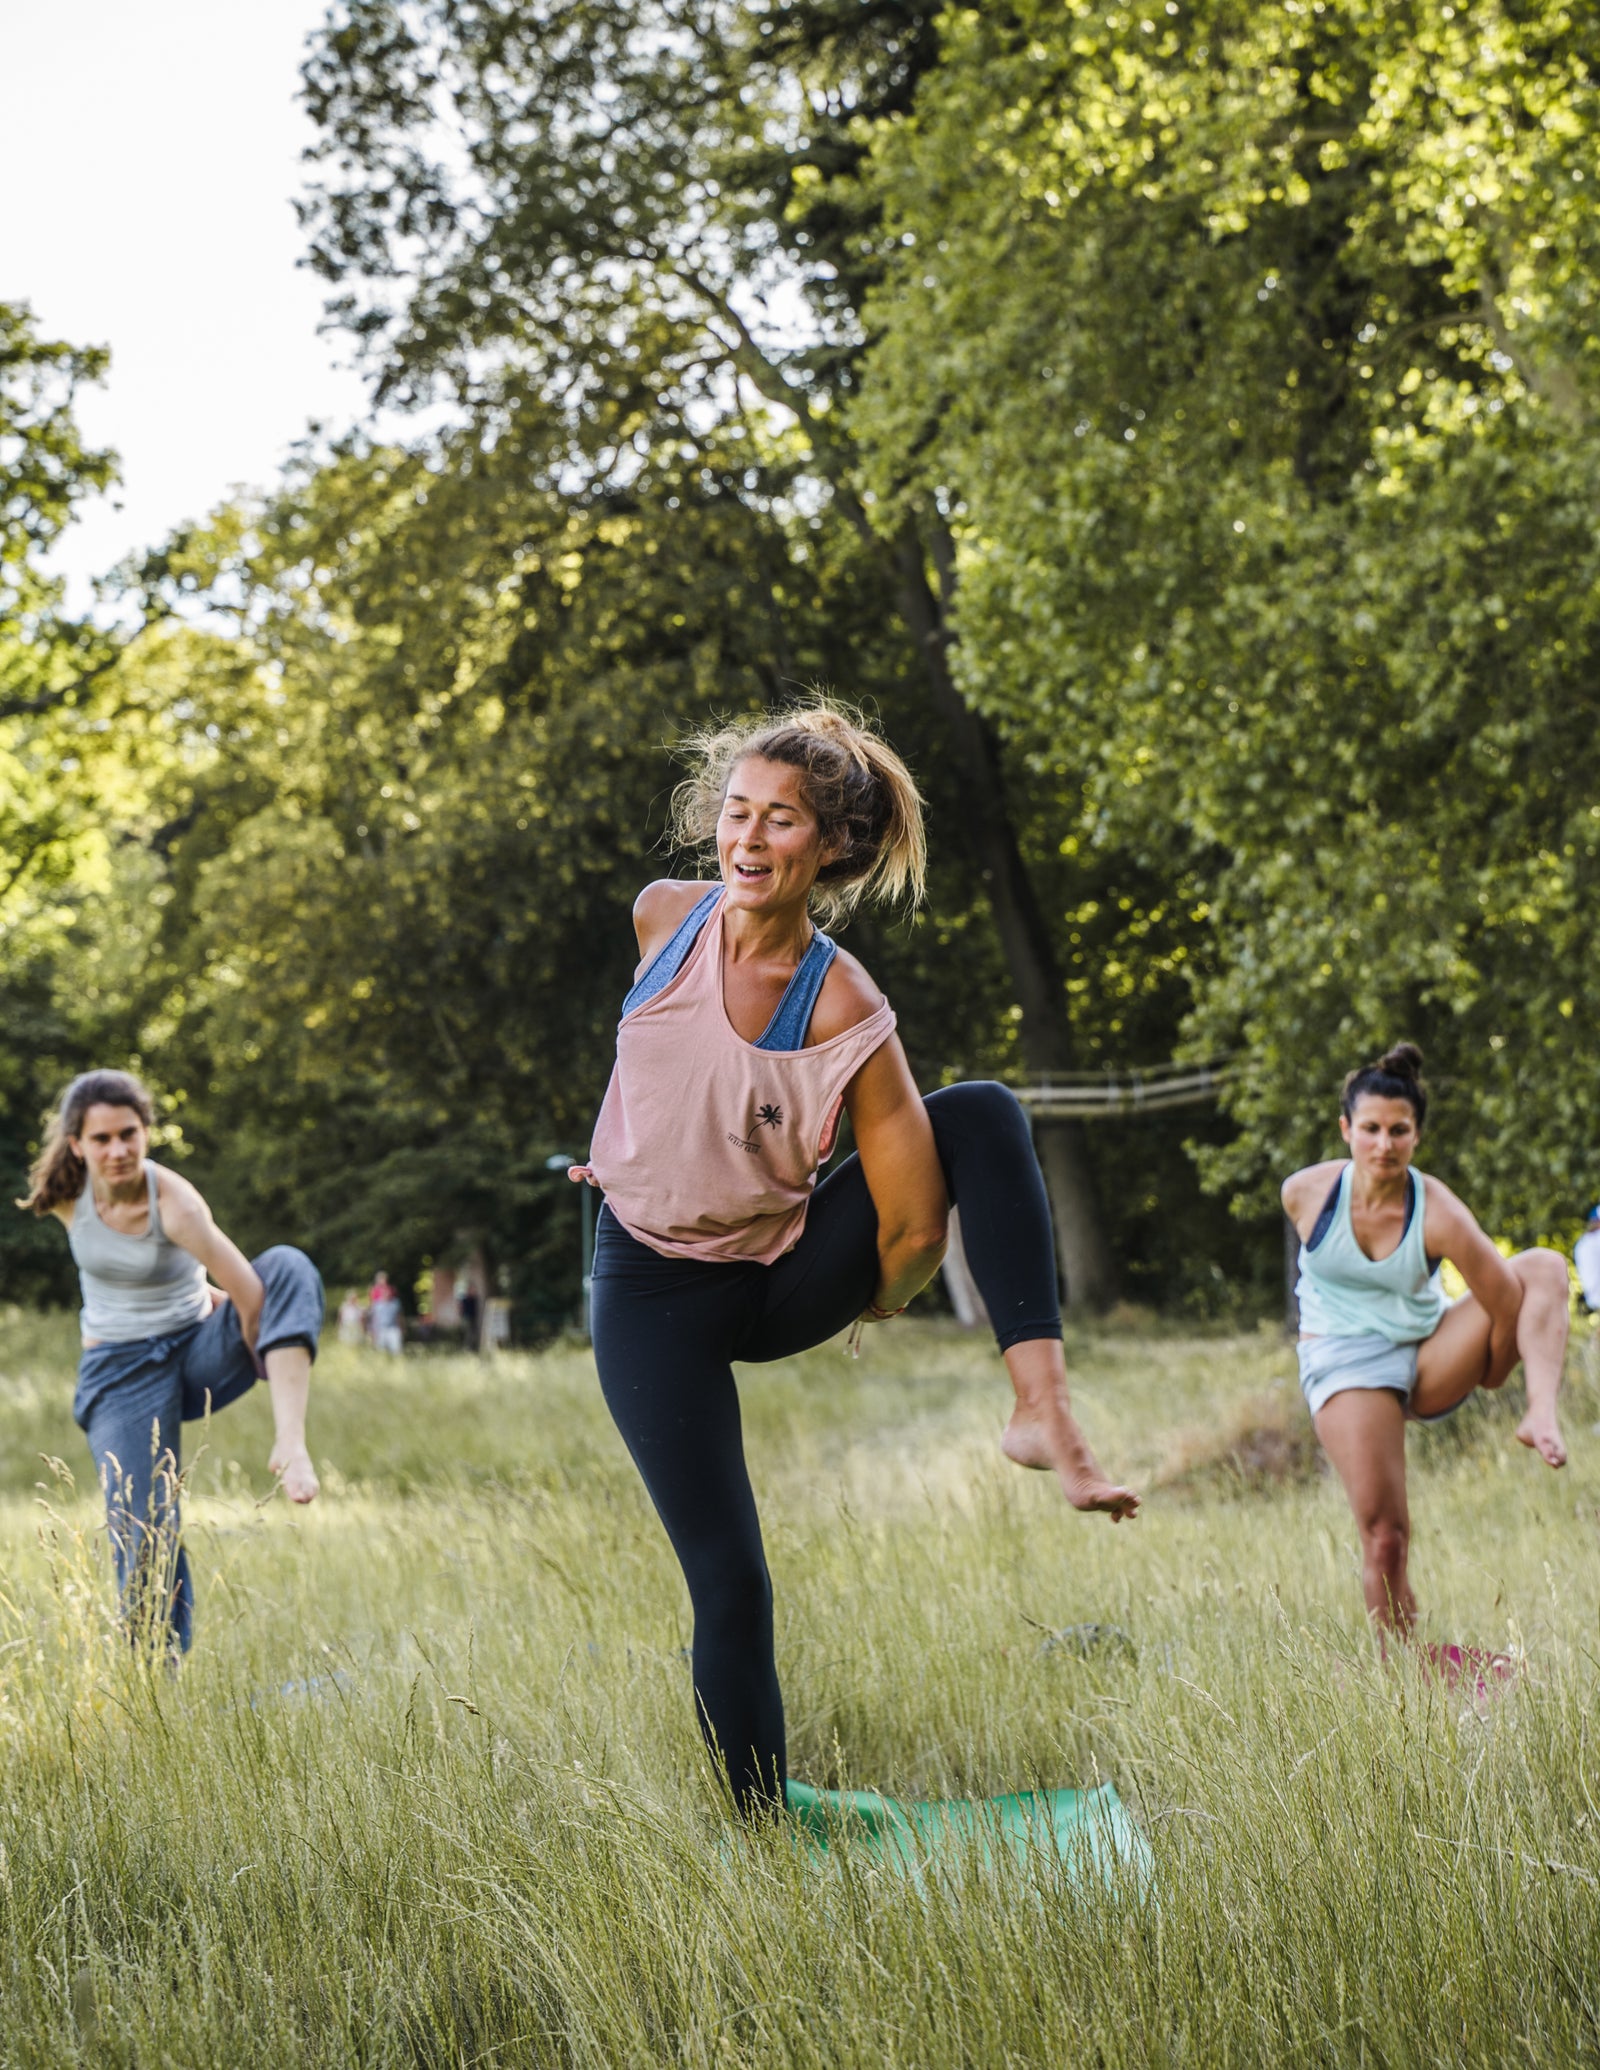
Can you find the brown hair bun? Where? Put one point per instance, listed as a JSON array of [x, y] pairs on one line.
[[1397, 1075]]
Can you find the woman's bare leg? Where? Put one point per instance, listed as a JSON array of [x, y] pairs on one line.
[[1363, 1431], [1542, 1328], [289, 1382], [1044, 1433], [1456, 1358]]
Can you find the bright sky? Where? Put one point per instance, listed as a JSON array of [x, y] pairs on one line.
[[150, 153]]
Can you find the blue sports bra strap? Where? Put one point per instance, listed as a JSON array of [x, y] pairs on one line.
[[787, 1028], [673, 957]]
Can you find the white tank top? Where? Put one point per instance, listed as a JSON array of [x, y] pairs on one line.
[[134, 1286]]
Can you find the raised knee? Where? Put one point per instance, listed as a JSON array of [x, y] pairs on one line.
[[283, 1262], [285, 1269], [980, 1103], [1543, 1269], [990, 1094]]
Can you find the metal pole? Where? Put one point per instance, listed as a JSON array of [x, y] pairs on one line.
[[588, 1256], [560, 1162]]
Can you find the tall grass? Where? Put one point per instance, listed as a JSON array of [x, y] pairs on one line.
[[428, 1790]]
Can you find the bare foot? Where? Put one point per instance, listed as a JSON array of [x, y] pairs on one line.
[[292, 1465], [1049, 1440], [1540, 1432]]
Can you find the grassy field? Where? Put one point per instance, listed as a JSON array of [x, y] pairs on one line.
[[428, 1790]]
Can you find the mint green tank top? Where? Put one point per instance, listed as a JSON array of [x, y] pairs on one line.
[[1344, 1293]]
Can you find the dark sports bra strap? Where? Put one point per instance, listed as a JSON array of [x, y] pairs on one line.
[[673, 957], [1324, 1221], [1330, 1208]]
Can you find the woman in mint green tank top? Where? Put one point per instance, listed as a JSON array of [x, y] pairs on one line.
[[1379, 1343]]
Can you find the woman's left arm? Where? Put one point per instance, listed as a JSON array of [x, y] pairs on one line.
[[1451, 1230], [894, 1140], [187, 1220]]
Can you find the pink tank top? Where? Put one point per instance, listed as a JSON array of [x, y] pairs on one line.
[[706, 1146]]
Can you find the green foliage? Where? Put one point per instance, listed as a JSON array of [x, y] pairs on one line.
[[1252, 350], [653, 223], [53, 765], [1206, 397], [427, 708], [415, 786]]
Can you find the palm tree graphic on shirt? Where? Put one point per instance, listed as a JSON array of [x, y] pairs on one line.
[[769, 1117]]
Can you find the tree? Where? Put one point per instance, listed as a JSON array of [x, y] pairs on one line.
[[1252, 349], [433, 731], [51, 719], [651, 218]]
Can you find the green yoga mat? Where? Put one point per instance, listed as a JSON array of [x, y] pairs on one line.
[[1088, 1831]]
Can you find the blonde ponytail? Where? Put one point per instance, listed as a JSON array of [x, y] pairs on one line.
[[867, 804]]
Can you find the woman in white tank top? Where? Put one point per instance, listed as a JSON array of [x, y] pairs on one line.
[[159, 1347], [1378, 1342]]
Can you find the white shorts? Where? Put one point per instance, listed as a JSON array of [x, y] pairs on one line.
[[1333, 1365]]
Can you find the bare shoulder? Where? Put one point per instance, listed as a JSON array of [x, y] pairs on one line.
[[848, 997], [662, 907], [1444, 1214], [1304, 1191], [182, 1203]]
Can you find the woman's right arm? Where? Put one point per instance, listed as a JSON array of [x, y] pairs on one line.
[[659, 911], [1304, 1192]]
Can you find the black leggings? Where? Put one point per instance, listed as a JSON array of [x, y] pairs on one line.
[[666, 1331]]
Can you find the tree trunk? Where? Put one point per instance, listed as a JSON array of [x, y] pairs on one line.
[[1087, 1269]]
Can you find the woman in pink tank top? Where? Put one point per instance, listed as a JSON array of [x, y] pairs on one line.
[[746, 1034]]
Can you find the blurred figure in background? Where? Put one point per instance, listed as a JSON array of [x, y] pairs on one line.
[[383, 1316], [352, 1319], [1586, 1261], [469, 1307]]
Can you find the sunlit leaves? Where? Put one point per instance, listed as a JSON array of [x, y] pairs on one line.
[[1266, 436]]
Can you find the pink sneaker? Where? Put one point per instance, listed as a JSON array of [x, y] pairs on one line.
[[1486, 1671]]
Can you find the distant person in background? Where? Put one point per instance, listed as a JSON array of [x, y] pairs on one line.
[[384, 1317], [160, 1346], [1586, 1261], [470, 1310], [1378, 1341], [352, 1319]]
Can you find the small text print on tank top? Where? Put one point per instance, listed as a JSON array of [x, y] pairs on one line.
[[767, 1116]]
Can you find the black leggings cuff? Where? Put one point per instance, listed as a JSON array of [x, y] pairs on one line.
[[1028, 1333]]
